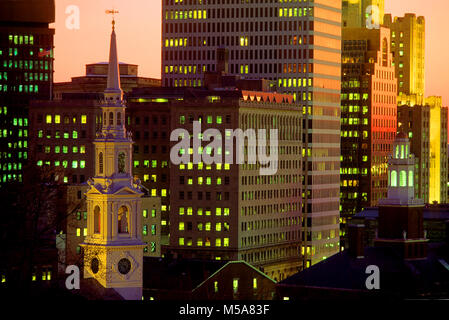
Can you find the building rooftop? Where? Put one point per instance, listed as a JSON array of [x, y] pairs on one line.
[[398, 277]]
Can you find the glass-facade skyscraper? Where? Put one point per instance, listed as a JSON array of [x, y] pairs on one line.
[[26, 66]]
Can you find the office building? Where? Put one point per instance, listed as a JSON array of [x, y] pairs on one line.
[[369, 117], [408, 44], [297, 45], [26, 72], [414, 120], [229, 211], [438, 150]]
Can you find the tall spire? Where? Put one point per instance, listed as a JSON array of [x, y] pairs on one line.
[[113, 89]]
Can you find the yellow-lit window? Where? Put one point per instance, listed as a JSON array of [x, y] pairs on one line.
[[218, 242], [85, 232], [218, 226], [57, 119], [78, 232], [181, 211], [48, 118], [181, 241], [226, 242], [181, 226]]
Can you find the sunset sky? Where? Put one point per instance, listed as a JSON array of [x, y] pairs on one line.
[[139, 37]]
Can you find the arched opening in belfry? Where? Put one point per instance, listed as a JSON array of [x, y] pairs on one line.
[[123, 220], [97, 219], [100, 163], [121, 165], [111, 118]]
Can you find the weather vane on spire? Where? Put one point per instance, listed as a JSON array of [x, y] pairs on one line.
[[113, 13]]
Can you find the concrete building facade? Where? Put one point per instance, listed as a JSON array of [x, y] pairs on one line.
[[229, 211]]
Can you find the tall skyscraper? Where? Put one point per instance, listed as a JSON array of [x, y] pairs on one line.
[[363, 13], [408, 48], [298, 45], [369, 113], [414, 121], [26, 67], [438, 150], [113, 247]]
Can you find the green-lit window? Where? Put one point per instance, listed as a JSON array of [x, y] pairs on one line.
[[410, 178], [66, 135], [218, 181], [403, 178], [209, 119], [182, 120], [82, 164], [219, 119], [65, 149], [75, 149], [208, 180], [75, 134], [153, 213], [74, 164], [145, 230]]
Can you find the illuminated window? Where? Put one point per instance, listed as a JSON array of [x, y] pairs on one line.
[[403, 178], [235, 285]]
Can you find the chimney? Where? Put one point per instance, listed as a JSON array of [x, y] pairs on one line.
[[356, 237]]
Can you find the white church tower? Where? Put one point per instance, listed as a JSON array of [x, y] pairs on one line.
[[401, 174], [113, 248]]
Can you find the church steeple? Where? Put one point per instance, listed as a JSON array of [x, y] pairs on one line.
[[113, 90], [113, 247]]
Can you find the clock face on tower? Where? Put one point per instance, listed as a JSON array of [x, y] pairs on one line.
[[124, 266]]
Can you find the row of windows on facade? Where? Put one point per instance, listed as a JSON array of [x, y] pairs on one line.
[[227, 2], [219, 196], [66, 134], [26, 53], [146, 120], [270, 223], [26, 65], [64, 119], [29, 39], [235, 55], [203, 226], [27, 76], [61, 149], [20, 88], [246, 12], [219, 242], [233, 43]]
